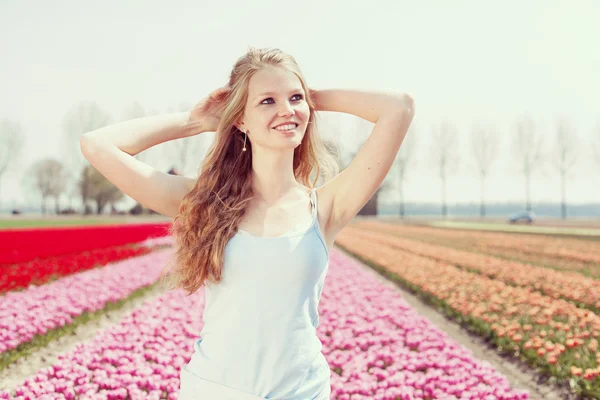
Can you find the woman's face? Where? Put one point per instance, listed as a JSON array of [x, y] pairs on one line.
[[275, 97]]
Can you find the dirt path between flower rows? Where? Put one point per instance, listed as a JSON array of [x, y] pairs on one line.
[[520, 375], [16, 373]]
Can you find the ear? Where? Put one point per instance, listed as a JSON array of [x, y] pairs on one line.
[[240, 126]]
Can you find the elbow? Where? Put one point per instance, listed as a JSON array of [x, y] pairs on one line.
[[84, 143], [402, 105], [405, 112], [407, 104], [87, 145]]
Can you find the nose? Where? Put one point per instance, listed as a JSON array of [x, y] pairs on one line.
[[286, 109]]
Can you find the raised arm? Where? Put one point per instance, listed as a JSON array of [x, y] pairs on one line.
[[111, 149], [392, 114]]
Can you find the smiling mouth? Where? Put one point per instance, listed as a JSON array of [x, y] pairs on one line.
[[287, 130]]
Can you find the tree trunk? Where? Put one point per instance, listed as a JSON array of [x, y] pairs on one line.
[[401, 200], [563, 203], [527, 191], [482, 200], [85, 192], [444, 207], [100, 208]]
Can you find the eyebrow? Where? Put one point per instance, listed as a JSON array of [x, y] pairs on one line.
[[272, 93]]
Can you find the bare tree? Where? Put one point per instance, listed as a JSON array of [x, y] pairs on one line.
[[82, 118], [402, 163], [60, 179], [484, 147], [444, 150], [102, 191], [11, 145], [565, 158], [528, 151], [49, 178]]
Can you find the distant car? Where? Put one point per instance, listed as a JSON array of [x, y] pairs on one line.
[[525, 216]]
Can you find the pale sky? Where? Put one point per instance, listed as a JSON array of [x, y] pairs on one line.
[[462, 61]]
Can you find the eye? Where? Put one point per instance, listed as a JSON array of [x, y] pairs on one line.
[[296, 95]]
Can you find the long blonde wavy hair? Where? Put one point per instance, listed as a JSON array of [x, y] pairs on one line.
[[210, 213]]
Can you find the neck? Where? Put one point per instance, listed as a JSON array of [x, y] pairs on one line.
[[272, 175]]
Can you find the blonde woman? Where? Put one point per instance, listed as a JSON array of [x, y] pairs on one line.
[[253, 229]]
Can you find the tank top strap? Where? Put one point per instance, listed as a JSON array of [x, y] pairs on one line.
[[313, 201]]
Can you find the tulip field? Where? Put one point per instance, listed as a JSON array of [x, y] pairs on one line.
[[545, 310], [537, 302]]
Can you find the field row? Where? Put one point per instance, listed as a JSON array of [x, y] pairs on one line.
[[581, 290], [567, 254], [551, 333], [67, 288]]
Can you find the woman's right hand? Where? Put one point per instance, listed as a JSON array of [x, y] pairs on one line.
[[207, 113]]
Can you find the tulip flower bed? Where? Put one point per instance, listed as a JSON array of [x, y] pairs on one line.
[[36, 313], [552, 334], [27, 244], [584, 291], [40, 271], [568, 254], [377, 346]]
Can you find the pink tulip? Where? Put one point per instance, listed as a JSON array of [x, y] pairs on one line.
[[377, 346]]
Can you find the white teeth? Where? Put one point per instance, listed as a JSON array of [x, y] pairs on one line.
[[286, 127]]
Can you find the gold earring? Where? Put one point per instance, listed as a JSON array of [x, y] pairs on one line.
[[245, 136]]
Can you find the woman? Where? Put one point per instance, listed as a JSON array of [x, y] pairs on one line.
[[249, 229]]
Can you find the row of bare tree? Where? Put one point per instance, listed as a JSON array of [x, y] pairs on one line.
[[553, 153], [532, 151]]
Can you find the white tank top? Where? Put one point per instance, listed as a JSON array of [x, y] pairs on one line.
[[260, 321]]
